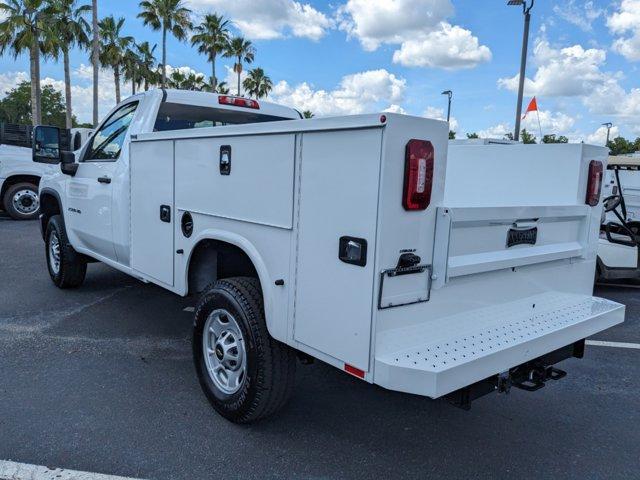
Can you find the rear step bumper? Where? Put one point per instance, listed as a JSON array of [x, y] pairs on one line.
[[448, 354]]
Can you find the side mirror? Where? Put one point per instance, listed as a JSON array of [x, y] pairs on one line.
[[46, 145], [68, 164]]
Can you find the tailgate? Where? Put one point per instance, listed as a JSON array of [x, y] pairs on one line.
[[482, 239]]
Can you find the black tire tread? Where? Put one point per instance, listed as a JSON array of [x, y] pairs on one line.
[[7, 204], [277, 377], [73, 268]]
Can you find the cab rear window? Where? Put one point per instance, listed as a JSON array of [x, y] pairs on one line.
[[177, 116]]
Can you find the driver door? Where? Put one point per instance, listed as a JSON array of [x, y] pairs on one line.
[[89, 209]]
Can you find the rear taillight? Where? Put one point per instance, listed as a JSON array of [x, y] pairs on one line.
[[594, 183], [418, 175], [238, 102]]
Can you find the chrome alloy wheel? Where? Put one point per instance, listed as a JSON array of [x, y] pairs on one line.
[[54, 252], [224, 351], [25, 201]]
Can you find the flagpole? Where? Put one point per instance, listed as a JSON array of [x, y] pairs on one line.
[[539, 125]]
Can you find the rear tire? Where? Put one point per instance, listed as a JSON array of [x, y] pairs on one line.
[[245, 373], [21, 201], [67, 268]]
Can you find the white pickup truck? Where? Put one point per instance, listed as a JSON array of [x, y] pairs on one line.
[[332, 239], [19, 175]]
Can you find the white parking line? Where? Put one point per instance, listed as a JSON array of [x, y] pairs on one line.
[[600, 343], [23, 471], [189, 309]]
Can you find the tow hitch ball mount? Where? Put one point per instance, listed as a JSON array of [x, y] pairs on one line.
[[536, 378]]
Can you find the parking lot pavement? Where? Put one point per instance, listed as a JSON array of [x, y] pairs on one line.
[[100, 379]]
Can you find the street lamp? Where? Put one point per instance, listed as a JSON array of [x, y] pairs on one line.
[[526, 10], [608, 125], [449, 94]]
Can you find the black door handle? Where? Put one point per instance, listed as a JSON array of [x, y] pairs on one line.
[[165, 213], [104, 179]]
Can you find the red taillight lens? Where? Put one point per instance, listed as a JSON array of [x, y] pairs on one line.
[[238, 102], [418, 175], [594, 184]]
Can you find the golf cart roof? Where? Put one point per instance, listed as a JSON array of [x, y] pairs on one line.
[[624, 162]]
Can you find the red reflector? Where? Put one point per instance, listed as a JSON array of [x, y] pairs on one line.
[[356, 372], [238, 102], [418, 175], [594, 184]]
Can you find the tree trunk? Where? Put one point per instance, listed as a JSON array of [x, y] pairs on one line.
[[133, 85], [214, 81], [38, 88], [164, 56], [34, 97], [94, 60], [116, 78], [239, 71], [67, 87], [146, 84]]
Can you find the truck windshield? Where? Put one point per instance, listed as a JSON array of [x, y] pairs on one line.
[[177, 116]]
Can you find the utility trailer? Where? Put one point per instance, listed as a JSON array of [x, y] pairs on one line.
[[347, 240]]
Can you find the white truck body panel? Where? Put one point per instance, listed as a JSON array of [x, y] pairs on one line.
[[296, 187], [17, 161]]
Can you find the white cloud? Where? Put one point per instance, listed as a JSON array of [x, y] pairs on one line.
[[269, 19], [394, 108], [496, 131], [581, 16], [391, 21], [557, 123], [357, 93], [10, 80], [570, 71], [439, 114], [578, 72], [450, 47], [421, 29], [599, 137], [551, 123], [625, 22]]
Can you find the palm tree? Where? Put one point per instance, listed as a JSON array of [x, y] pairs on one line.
[[147, 63], [168, 15], [257, 84], [187, 81], [212, 38], [21, 29], [243, 51], [308, 114], [95, 57], [132, 68], [221, 88], [114, 47], [70, 28]]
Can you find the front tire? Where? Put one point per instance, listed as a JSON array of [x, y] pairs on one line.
[[21, 201], [245, 373], [67, 268]]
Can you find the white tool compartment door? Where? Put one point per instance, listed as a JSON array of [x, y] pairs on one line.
[[339, 180], [152, 209]]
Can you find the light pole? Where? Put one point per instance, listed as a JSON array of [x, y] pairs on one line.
[[608, 125], [449, 94], [526, 10]]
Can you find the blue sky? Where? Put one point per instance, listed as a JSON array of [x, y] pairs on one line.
[[353, 56]]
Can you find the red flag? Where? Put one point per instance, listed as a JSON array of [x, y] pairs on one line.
[[533, 107]]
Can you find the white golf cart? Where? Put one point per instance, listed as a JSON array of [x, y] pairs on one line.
[[619, 245]]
